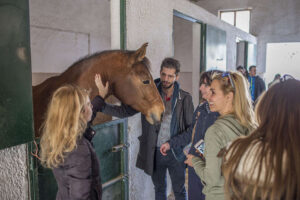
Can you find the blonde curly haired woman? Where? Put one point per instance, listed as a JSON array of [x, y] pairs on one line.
[[230, 97], [66, 150]]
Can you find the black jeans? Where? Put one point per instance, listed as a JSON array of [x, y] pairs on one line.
[[177, 173], [194, 186]]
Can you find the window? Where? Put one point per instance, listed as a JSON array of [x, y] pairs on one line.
[[237, 18]]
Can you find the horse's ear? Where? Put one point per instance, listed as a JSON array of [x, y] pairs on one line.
[[139, 54]]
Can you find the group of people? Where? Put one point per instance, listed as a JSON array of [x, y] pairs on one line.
[[246, 154]]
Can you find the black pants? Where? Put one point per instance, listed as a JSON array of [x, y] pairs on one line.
[[177, 173], [195, 186]]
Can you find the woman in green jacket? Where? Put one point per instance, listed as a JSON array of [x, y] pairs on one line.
[[230, 97]]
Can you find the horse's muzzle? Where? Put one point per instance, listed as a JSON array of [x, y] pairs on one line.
[[156, 120]]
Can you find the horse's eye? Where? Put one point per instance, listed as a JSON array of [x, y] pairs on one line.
[[146, 82]]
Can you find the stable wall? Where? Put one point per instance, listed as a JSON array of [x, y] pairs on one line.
[[64, 31], [271, 21]]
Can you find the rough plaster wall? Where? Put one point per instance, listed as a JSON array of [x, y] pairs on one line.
[[64, 31], [271, 21], [13, 173], [152, 21]]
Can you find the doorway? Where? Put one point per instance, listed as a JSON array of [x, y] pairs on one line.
[[187, 49]]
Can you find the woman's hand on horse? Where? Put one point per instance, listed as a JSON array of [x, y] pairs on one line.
[[103, 89]]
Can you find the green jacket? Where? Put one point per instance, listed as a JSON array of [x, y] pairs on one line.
[[224, 130]]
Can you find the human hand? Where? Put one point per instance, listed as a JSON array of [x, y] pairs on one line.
[[164, 148], [188, 161], [103, 89]]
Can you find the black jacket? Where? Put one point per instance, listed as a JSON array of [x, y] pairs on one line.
[[259, 87], [203, 118], [78, 178], [183, 108]]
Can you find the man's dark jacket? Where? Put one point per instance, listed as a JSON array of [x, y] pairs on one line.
[[259, 87], [182, 115]]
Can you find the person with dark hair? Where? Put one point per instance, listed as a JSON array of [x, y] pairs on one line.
[[275, 80], [170, 63], [242, 70], [257, 85], [176, 119], [202, 119], [266, 164]]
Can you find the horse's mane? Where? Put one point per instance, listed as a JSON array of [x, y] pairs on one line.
[[86, 58]]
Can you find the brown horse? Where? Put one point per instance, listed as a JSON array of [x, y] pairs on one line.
[[127, 73]]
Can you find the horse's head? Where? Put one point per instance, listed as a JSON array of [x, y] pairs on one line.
[[135, 86]]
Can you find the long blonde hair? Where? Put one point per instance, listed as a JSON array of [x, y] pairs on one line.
[[278, 144], [63, 125], [242, 105]]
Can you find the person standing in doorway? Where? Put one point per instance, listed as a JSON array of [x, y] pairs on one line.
[[257, 85], [203, 118], [176, 119], [243, 70]]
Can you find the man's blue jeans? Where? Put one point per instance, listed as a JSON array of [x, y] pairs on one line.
[[177, 173]]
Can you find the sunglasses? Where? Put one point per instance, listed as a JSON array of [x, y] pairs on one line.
[[286, 77], [227, 74]]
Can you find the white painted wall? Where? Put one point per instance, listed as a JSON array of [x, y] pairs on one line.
[[64, 31], [282, 58]]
